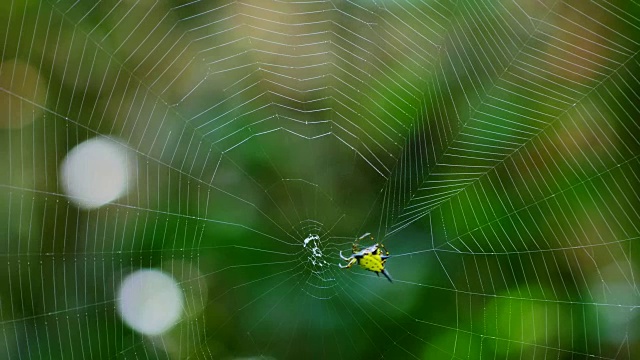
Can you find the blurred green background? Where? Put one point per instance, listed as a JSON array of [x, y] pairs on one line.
[[492, 146]]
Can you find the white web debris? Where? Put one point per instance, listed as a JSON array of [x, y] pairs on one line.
[[316, 256], [310, 238]]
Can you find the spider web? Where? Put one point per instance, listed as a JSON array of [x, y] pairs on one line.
[[492, 146]]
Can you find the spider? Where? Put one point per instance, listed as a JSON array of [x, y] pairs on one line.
[[371, 258]]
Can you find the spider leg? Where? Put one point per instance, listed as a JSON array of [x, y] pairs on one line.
[[384, 257], [344, 258], [351, 262]]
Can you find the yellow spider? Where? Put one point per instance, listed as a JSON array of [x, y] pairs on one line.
[[371, 258]]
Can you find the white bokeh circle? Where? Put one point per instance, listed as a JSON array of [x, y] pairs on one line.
[[150, 301], [96, 172]]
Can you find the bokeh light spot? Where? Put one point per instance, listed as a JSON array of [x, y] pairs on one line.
[[96, 172], [24, 94], [150, 301]]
